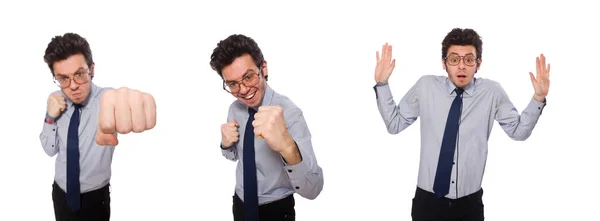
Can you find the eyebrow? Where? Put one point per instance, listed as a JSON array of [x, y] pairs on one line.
[[454, 53], [66, 75], [245, 73]]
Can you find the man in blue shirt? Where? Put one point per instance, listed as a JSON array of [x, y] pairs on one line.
[[457, 114], [280, 161], [81, 126]]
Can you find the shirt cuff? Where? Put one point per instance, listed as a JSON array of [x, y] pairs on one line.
[[297, 172], [49, 119], [536, 106], [382, 90], [226, 148], [49, 128]]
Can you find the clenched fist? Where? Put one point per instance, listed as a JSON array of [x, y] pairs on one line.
[[269, 124], [56, 104], [229, 133], [122, 111]]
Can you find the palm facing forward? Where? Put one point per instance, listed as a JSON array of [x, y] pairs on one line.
[[541, 82], [385, 64]]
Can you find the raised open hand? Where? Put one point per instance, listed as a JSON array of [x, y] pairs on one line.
[[541, 82], [385, 64]]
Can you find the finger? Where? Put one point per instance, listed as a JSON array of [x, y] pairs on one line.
[[383, 51], [149, 110], [377, 55], [235, 123], [548, 72], [393, 64], [230, 129], [59, 97], [106, 120], [532, 79], [122, 111], [103, 139], [543, 62], [389, 53], [537, 67], [258, 132], [234, 139], [138, 115]]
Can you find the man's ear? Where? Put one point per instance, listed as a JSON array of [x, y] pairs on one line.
[[478, 65], [444, 63], [265, 70], [92, 72]]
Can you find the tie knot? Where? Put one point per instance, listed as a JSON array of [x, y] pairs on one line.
[[251, 111], [77, 106], [459, 91]]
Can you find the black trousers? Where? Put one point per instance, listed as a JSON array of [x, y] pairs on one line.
[[280, 210], [95, 205], [427, 207]]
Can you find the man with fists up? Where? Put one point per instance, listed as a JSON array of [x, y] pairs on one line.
[[267, 133], [81, 125]]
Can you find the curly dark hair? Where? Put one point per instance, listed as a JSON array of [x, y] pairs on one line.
[[62, 47], [462, 37], [232, 47]]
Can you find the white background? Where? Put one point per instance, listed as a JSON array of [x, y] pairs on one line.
[[322, 56]]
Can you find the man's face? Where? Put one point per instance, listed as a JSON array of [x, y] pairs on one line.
[[461, 64], [74, 77], [244, 81]]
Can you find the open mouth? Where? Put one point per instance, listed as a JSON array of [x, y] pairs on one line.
[[461, 76], [249, 96]]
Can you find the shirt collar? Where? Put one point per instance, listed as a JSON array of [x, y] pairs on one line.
[[469, 89]]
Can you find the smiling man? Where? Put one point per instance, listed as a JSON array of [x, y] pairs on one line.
[[81, 126], [266, 133], [457, 114]]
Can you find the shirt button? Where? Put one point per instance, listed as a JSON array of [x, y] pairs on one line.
[[453, 163], [52, 145], [452, 181], [297, 187], [289, 171], [53, 129]]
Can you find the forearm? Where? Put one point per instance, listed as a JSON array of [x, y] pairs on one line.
[[522, 125], [48, 138], [229, 153], [306, 176], [391, 113]]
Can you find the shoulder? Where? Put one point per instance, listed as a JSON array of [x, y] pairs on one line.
[[56, 92], [487, 84], [291, 111]]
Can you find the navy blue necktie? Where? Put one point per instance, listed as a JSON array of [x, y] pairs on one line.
[[73, 188], [250, 184], [441, 185]]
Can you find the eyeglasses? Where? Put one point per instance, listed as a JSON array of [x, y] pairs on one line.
[[80, 77], [454, 60], [250, 79]]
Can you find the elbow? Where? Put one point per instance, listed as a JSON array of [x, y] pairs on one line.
[[50, 151], [520, 136], [393, 129], [314, 194]]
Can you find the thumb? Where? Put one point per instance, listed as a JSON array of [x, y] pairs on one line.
[[235, 122], [103, 139], [532, 78]]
